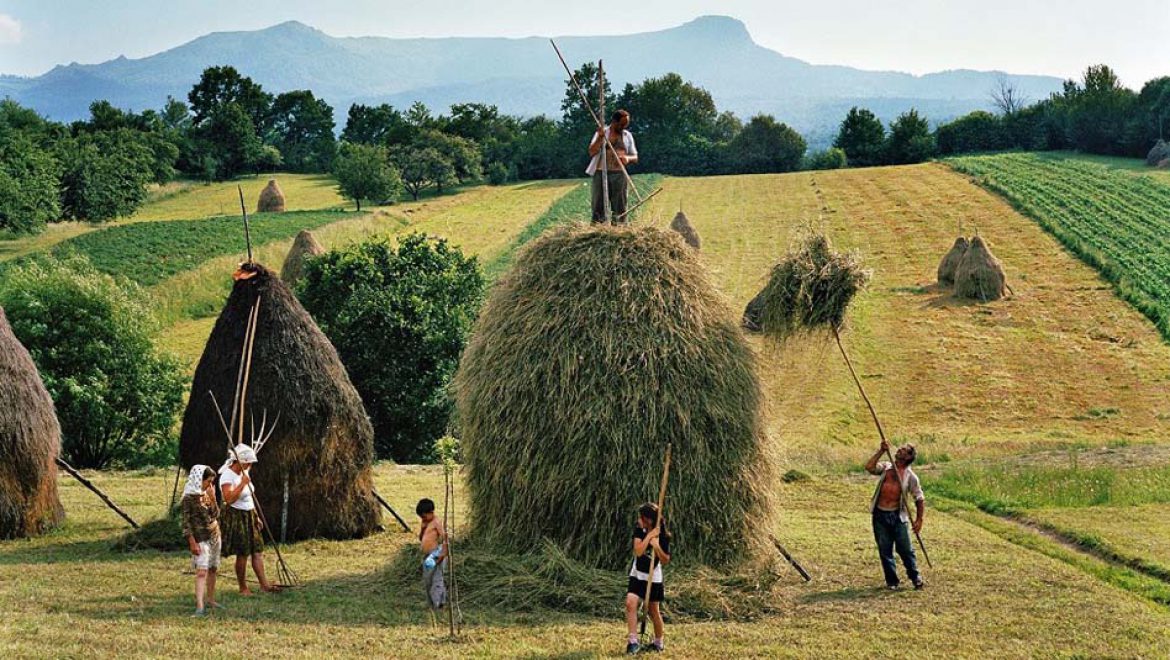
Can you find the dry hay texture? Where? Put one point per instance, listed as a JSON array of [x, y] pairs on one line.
[[950, 263], [980, 275], [30, 441], [1159, 153], [809, 289], [271, 198], [599, 347], [683, 226], [305, 245], [323, 441]]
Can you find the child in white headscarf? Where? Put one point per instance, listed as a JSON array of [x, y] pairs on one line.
[[200, 515]]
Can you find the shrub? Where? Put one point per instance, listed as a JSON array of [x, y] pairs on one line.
[[977, 131], [104, 175], [399, 318], [28, 186], [497, 173], [832, 158], [90, 337]]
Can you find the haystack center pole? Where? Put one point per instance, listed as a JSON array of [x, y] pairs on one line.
[[88, 484], [881, 434], [384, 503], [604, 153], [247, 230], [658, 528], [600, 123]]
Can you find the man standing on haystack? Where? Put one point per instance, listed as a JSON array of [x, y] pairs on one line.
[[611, 172], [891, 517]]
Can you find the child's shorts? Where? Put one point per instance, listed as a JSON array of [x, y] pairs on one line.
[[209, 554], [638, 588]]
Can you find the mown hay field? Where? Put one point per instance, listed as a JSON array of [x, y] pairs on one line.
[[1063, 362]]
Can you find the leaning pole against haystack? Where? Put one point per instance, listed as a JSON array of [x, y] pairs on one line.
[[271, 198], [30, 443], [810, 290], [304, 246], [598, 348], [319, 457]]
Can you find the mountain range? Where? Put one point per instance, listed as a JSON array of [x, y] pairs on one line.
[[521, 76]]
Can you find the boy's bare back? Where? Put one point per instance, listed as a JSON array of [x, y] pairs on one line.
[[432, 536]]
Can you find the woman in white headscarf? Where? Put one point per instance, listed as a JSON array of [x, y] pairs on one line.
[[200, 515], [241, 526]]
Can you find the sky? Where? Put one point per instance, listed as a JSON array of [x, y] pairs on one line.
[[1053, 37]]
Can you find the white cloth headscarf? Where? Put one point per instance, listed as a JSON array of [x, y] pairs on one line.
[[246, 454], [195, 480]]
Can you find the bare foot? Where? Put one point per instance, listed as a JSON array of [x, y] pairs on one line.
[[245, 592], [271, 589]]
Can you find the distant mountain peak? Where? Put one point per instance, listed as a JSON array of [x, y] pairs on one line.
[[713, 25], [293, 27]]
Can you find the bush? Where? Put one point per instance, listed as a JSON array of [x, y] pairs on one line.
[[28, 186], [977, 131], [832, 158], [104, 174], [399, 318], [90, 337], [497, 173], [364, 172]]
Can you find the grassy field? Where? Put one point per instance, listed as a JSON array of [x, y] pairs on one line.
[[68, 594], [1135, 165], [1062, 363]]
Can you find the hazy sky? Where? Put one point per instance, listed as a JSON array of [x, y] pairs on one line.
[[1056, 37]]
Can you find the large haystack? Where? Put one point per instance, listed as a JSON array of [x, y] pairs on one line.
[[323, 442], [810, 289], [599, 347], [950, 263], [980, 275], [1159, 153], [271, 198], [30, 441], [305, 245], [683, 226]]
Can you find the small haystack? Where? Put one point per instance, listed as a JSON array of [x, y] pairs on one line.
[[600, 346], [30, 441], [980, 275], [1159, 153], [683, 226], [810, 289], [323, 444], [271, 198], [305, 245], [950, 263]]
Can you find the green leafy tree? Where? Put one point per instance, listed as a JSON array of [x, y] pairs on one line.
[[575, 117], [862, 137], [116, 397], [765, 145], [301, 127], [829, 159], [976, 131], [910, 140], [498, 173], [664, 112], [422, 168], [229, 137], [29, 177], [104, 175], [220, 86], [540, 150], [363, 171], [399, 317], [463, 154], [378, 124]]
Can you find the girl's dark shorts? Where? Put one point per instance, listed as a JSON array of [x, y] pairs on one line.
[[638, 588]]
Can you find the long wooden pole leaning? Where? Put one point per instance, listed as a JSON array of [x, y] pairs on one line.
[[88, 484], [604, 153], [658, 528], [384, 503], [881, 433]]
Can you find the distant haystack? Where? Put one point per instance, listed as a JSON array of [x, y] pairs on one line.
[[305, 245], [1160, 153], [271, 199], [980, 275], [683, 226], [950, 263], [30, 441]]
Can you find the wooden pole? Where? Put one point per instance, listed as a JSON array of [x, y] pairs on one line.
[[447, 530], [453, 604], [384, 503], [882, 434], [657, 526], [250, 338], [88, 484], [247, 230], [604, 153], [784, 553], [284, 512]]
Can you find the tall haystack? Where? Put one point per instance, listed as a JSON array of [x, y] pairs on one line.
[[600, 346], [323, 443], [305, 245], [1159, 153], [683, 226], [271, 198], [980, 275], [30, 441], [810, 289], [950, 263]]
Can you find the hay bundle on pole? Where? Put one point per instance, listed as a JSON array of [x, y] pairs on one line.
[[271, 198], [980, 275], [683, 226], [30, 443], [950, 263], [810, 289], [1159, 153], [598, 348], [305, 245], [323, 441]]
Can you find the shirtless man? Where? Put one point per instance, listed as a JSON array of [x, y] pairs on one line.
[[624, 152], [433, 539], [891, 517]]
